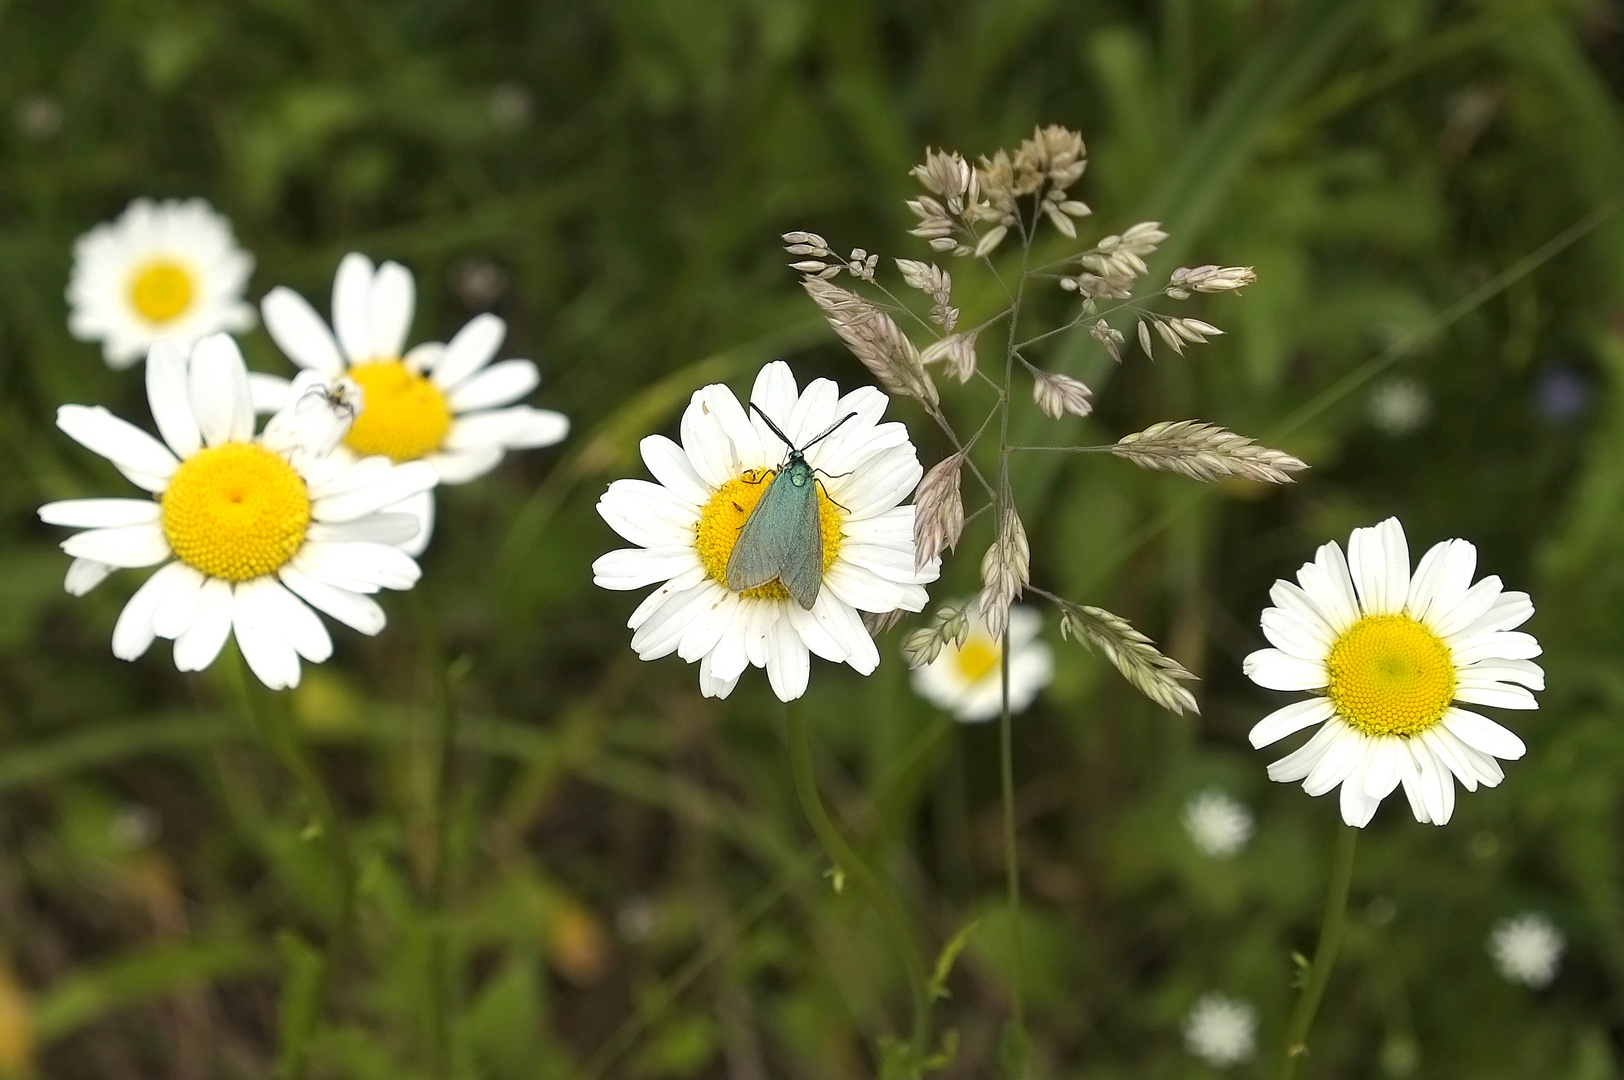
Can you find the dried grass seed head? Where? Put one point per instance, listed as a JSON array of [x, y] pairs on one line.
[[938, 510], [1205, 452], [1211, 279], [1133, 654], [1056, 395], [875, 339], [957, 352]]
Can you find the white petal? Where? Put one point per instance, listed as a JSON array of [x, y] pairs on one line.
[[1300, 762], [1524, 672], [1337, 763], [202, 640], [389, 311], [1455, 755], [401, 482], [1275, 670], [127, 546], [663, 632], [119, 441], [420, 508], [709, 450], [350, 608], [846, 627], [533, 429], [817, 637], [670, 466], [270, 657], [1379, 560], [1383, 769], [1328, 585], [1294, 602], [220, 399], [1478, 731], [358, 566], [169, 396], [178, 607], [709, 621], [1478, 601], [1437, 783], [472, 348], [1511, 609], [269, 393], [464, 465], [775, 394], [634, 568], [100, 513], [133, 632], [1497, 695], [1357, 806], [299, 332], [787, 663], [501, 383], [1505, 645], [1292, 636], [297, 624], [84, 575], [1294, 717], [352, 296], [1442, 578], [394, 529], [1414, 788]]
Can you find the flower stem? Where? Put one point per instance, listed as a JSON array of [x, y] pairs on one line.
[[440, 1004], [281, 737], [1295, 1047], [1012, 864], [848, 862]]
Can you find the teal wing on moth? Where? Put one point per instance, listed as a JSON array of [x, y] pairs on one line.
[[782, 538]]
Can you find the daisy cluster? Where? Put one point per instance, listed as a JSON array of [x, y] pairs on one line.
[[256, 528]]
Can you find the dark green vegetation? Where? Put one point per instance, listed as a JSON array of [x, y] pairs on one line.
[[631, 889]]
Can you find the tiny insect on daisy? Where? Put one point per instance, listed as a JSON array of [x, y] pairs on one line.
[[161, 271], [1390, 654], [967, 680], [251, 531], [688, 525], [446, 404]]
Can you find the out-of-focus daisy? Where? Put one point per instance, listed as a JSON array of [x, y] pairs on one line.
[[169, 271], [967, 680], [1218, 825], [1221, 1031], [1389, 655], [1399, 406], [248, 532], [445, 404], [1527, 949], [686, 525]]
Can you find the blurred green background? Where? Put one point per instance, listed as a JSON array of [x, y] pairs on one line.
[[633, 891]]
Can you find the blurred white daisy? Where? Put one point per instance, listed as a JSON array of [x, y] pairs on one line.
[[1221, 1031], [445, 404], [967, 680], [1389, 654], [1527, 949], [1399, 406], [1218, 825], [162, 271], [246, 531], [686, 525]]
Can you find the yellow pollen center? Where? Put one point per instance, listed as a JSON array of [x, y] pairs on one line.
[[977, 658], [729, 508], [162, 289], [1389, 675], [403, 414], [235, 511]]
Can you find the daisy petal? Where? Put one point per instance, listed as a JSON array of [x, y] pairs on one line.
[[100, 513], [389, 310], [221, 402], [471, 349], [350, 608], [787, 662], [1293, 718], [125, 546], [1274, 670], [299, 332], [178, 607], [352, 301], [270, 657], [1481, 733], [133, 633], [297, 624], [671, 467], [119, 441], [205, 636], [84, 575], [1379, 561], [501, 383], [169, 397]]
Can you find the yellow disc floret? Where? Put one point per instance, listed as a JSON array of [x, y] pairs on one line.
[[1390, 675], [723, 517], [977, 658], [162, 289], [236, 511], [403, 414]]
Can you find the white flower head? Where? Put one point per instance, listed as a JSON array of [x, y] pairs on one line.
[[1221, 1031], [161, 271], [686, 525], [967, 680], [445, 404], [1399, 405], [1527, 949], [1388, 654], [249, 533], [1218, 825]]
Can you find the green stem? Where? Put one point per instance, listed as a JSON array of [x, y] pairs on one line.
[[280, 736], [1012, 854], [447, 721], [848, 862], [1295, 1047]]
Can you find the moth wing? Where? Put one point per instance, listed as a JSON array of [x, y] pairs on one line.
[[802, 572], [765, 542]]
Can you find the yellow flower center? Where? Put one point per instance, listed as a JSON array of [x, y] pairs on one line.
[[162, 289], [1389, 675], [729, 508], [977, 658], [235, 511], [403, 414]]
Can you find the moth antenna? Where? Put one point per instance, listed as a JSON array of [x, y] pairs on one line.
[[827, 432], [769, 422]]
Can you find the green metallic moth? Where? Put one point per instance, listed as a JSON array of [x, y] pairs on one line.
[[782, 538]]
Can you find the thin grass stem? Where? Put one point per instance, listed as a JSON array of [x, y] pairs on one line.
[[1295, 1047]]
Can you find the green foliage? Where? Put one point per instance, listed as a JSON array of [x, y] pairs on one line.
[[630, 889]]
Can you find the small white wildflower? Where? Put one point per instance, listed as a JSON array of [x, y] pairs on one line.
[[1222, 1031], [1527, 949], [1399, 406], [1218, 825]]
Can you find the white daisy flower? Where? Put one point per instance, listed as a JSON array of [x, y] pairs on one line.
[[445, 404], [1221, 1031], [685, 527], [1527, 949], [245, 530], [1389, 655], [162, 271], [1218, 825], [967, 680]]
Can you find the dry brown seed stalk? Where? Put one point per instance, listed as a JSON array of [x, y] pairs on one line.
[[1111, 339], [938, 511], [1058, 395], [1156, 676], [1211, 279], [1006, 569], [877, 623], [875, 339], [1206, 452], [957, 353], [949, 624]]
